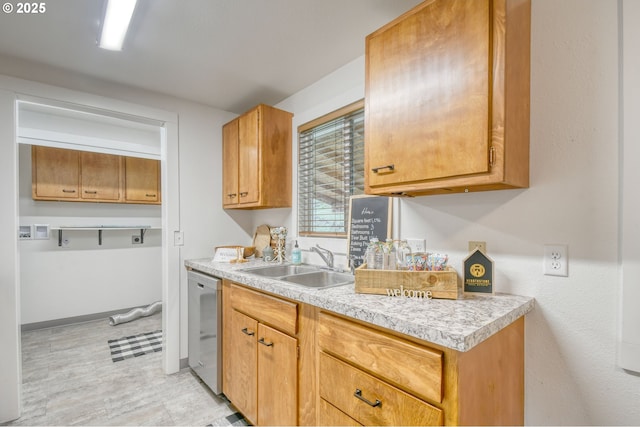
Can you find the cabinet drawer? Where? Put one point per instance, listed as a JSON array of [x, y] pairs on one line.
[[329, 415], [407, 365], [369, 400], [273, 311]]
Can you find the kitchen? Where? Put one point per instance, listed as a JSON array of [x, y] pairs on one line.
[[571, 337]]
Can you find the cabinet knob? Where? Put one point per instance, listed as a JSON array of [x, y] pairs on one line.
[[244, 194], [391, 167], [231, 195], [358, 394]]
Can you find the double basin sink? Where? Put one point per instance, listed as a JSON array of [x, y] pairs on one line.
[[304, 275]]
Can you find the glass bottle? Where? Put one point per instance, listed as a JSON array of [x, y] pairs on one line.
[[379, 254], [370, 254], [404, 255], [390, 255]]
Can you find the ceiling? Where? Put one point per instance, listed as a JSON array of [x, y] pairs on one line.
[[229, 54]]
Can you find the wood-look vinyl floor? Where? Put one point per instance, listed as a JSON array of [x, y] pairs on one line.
[[69, 379]]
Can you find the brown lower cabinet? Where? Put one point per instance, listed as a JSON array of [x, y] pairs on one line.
[[289, 363], [260, 362]]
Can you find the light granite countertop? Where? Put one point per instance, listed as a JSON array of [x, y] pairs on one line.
[[457, 324]]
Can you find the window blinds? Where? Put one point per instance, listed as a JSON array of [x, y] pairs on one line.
[[330, 170]]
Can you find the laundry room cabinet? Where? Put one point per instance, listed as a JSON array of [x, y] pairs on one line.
[[100, 176], [141, 180], [71, 175], [55, 173], [256, 159], [447, 99]]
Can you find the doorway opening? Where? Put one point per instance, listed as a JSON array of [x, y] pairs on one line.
[[85, 271]]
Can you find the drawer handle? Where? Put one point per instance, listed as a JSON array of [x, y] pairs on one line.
[[150, 195], [390, 167], [244, 194], [247, 332], [358, 394], [263, 342], [232, 195], [68, 191], [90, 192]]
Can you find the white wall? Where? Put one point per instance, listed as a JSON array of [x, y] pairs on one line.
[[571, 372]]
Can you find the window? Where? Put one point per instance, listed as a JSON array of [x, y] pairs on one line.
[[330, 170]]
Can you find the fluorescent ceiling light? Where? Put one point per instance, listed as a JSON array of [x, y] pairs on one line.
[[115, 24]]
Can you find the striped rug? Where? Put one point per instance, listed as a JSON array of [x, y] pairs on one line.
[[135, 345]]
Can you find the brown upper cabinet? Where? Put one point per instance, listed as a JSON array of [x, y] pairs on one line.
[[447, 99], [100, 176], [55, 173], [81, 176], [141, 180], [256, 163]]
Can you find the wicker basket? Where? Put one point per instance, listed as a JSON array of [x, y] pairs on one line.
[[441, 284]]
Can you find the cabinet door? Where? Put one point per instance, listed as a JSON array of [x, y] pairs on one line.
[[55, 173], [242, 363], [142, 180], [249, 157], [428, 95], [230, 164], [277, 377], [100, 176]]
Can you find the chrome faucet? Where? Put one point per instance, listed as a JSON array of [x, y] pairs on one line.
[[325, 254]]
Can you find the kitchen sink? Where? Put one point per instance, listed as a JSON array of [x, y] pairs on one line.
[[304, 275], [320, 279], [281, 270]]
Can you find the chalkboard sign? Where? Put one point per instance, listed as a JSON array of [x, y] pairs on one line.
[[369, 216]]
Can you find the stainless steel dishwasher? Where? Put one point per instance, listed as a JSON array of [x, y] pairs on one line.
[[205, 328]]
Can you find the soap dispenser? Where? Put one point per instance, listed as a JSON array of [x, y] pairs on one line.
[[296, 254]]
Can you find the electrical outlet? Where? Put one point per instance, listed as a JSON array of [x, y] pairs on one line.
[[417, 245], [136, 240], [479, 245], [556, 260]]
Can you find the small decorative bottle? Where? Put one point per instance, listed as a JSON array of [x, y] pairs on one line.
[[379, 255], [390, 255], [296, 254], [404, 255], [370, 254]]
